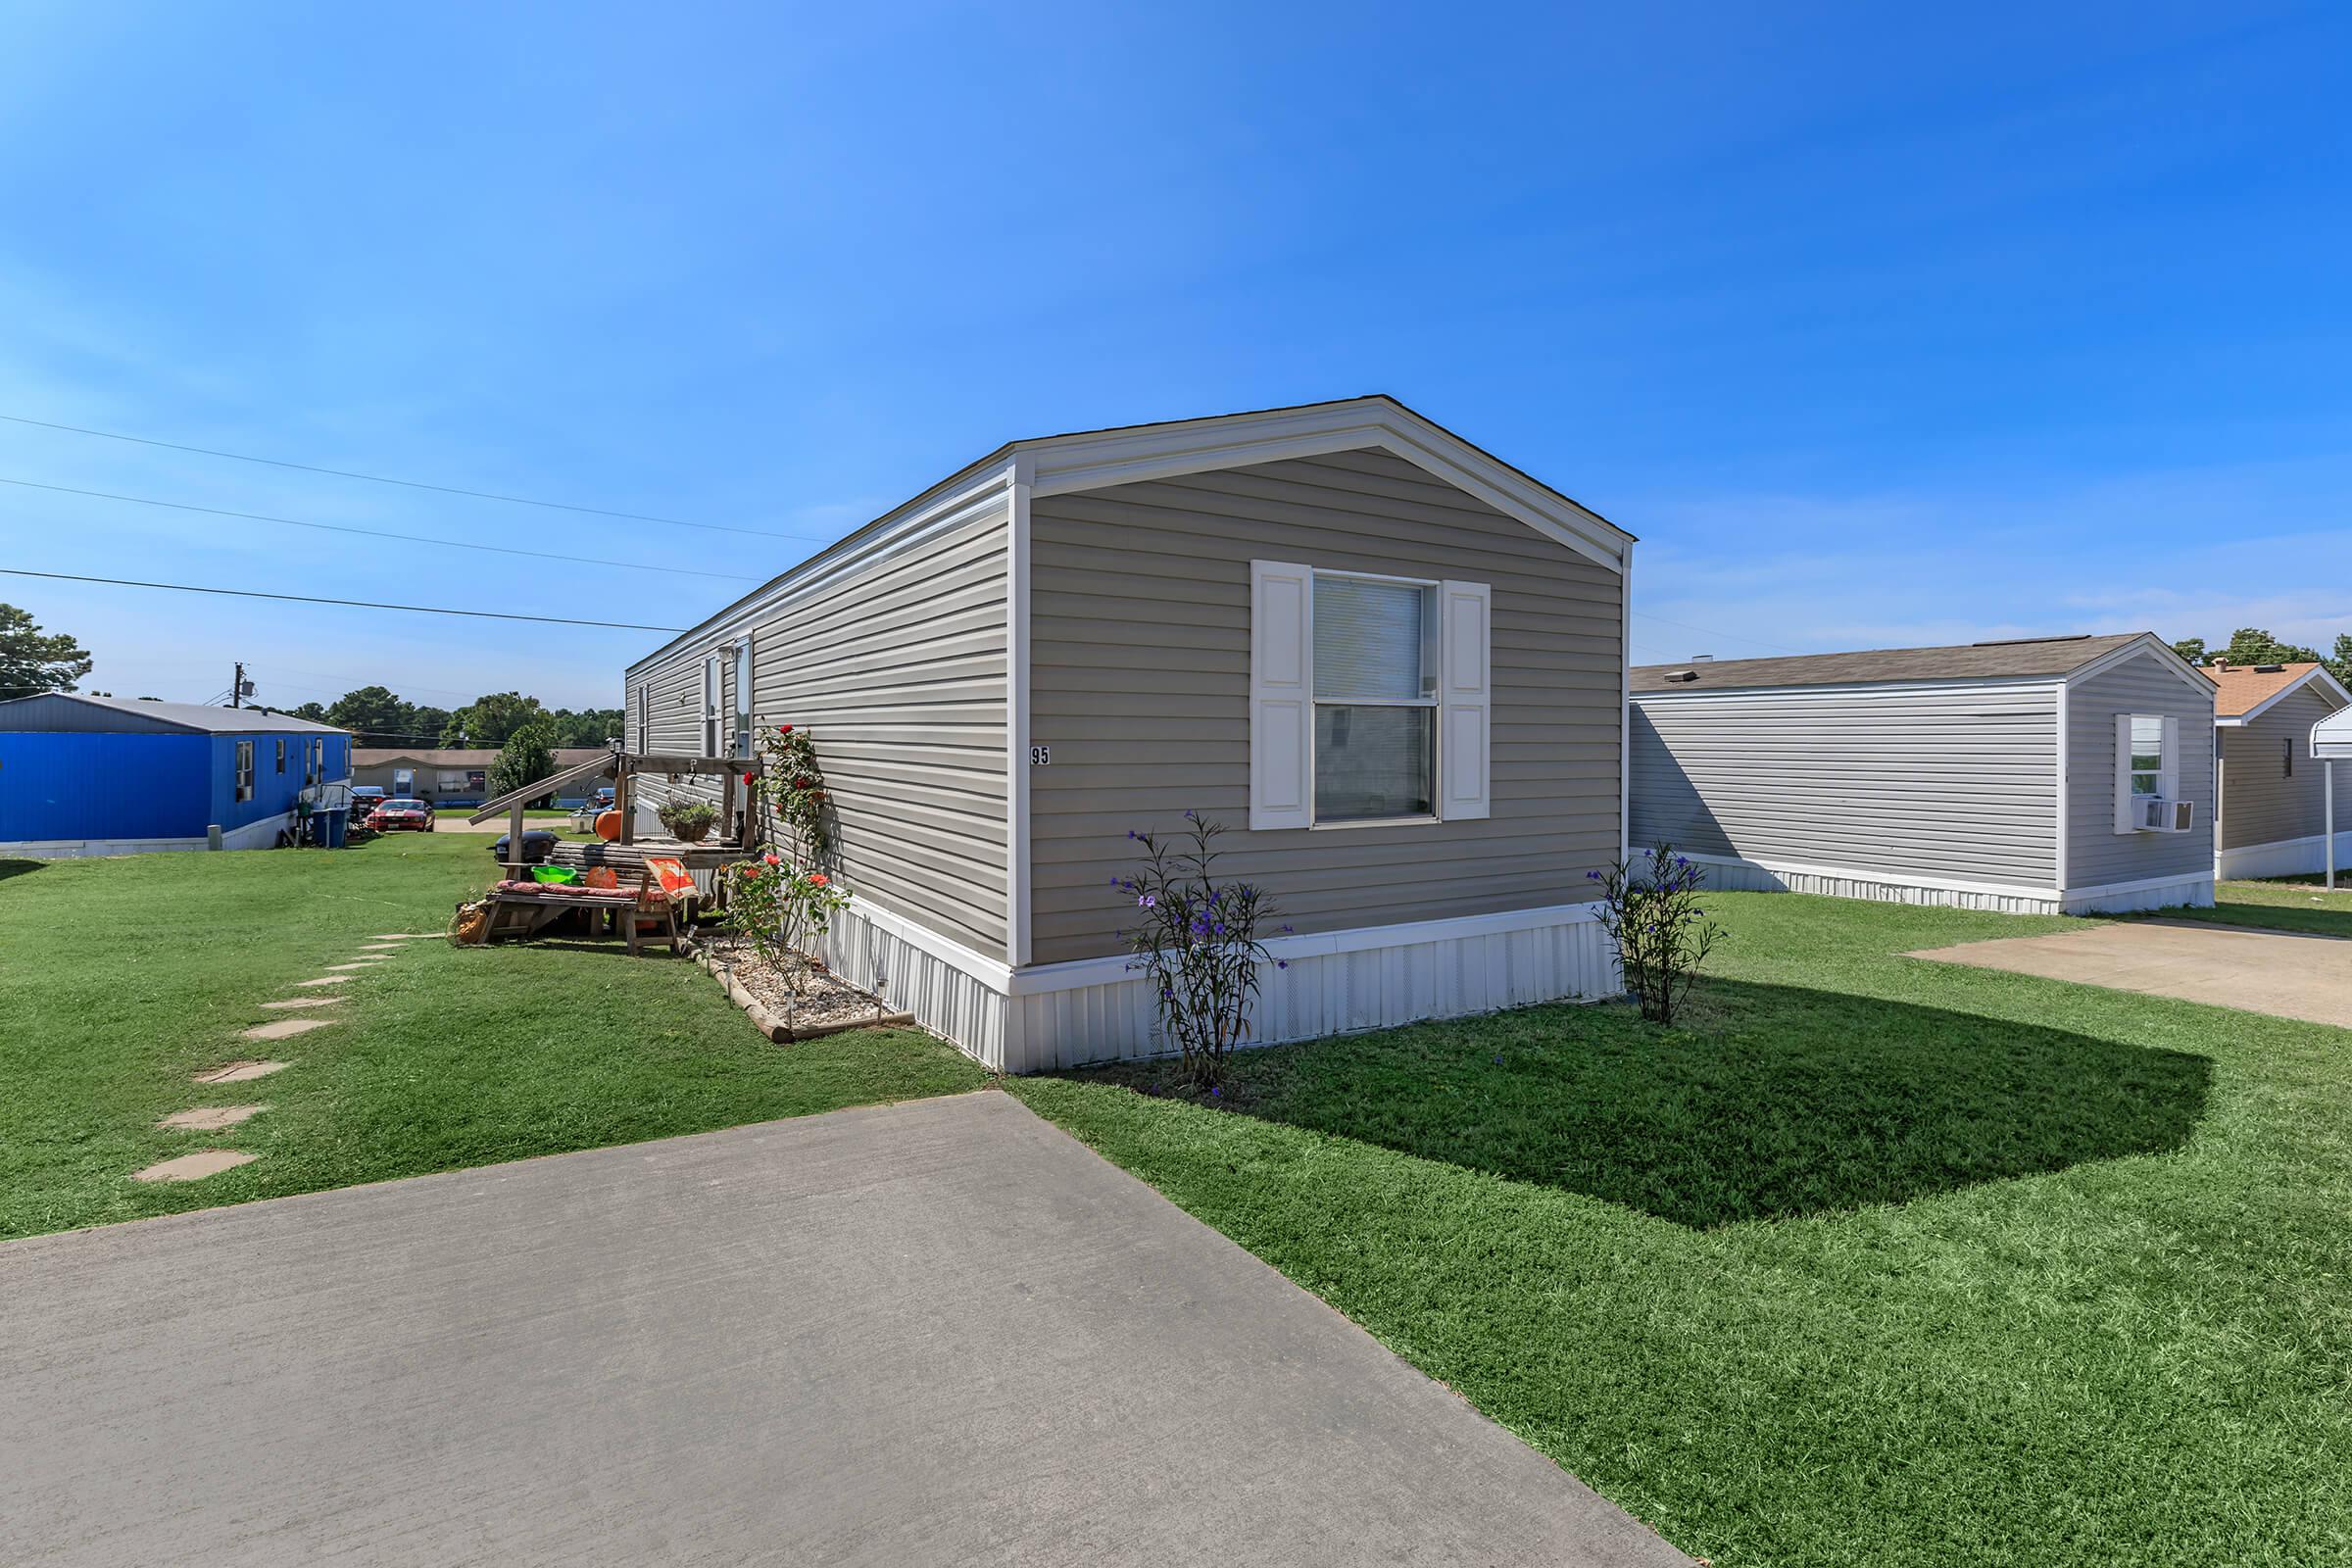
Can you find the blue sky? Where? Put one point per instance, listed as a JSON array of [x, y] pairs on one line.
[[1878, 326]]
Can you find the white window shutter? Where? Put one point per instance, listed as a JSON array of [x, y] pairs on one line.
[[2168, 779], [1282, 694], [1465, 699], [2125, 820], [743, 698], [713, 675]]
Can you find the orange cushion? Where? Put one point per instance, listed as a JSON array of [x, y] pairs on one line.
[[670, 874]]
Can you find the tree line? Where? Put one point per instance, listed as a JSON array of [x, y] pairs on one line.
[[376, 715], [2251, 645]]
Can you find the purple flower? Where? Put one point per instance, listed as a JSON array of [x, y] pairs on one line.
[[1281, 964], [1216, 1092], [1592, 877]]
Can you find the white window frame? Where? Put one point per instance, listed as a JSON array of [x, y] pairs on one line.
[[1457, 652], [244, 770], [1432, 644], [714, 682], [743, 698], [645, 719], [282, 754], [2128, 794]]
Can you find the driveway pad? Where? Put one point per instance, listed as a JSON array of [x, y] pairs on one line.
[[934, 1332], [2291, 974]]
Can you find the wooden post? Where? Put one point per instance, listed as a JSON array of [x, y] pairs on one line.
[[515, 862], [624, 800]]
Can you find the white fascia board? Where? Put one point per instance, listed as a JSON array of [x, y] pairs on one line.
[[2147, 645], [1854, 874], [2314, 675], [1095, 462], [2007, 686], [1020, 480], [944, 506]]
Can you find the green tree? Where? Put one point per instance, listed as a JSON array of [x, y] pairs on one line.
[[2191, 649], [589, 726], [490, 719], [2340, 663], [524, 759], [373, 714], [316, 712], [2250, 645], [31, 663]]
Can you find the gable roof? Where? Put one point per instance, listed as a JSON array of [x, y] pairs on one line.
[[1090, 459], [89, 713], [2245, 692], [2021, 659]]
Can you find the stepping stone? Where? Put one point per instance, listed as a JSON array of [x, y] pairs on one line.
[[324, 980], [407, 936], [328, 999], [369, 963], [211, 1118], [236, 1072], [284, 1028], [193, 1167]]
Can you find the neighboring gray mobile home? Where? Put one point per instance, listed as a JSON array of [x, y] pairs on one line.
[[2270, 820], [2068, 775], [1390, 663]]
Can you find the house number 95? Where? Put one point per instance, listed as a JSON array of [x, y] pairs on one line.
[[1040, 755]]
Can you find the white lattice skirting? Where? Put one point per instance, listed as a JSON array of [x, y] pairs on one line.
[[1068, 1014]]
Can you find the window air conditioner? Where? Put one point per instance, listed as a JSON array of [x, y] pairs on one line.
[[2160, 816]]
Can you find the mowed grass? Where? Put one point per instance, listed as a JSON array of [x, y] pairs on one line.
[[2281, 904], [1877, 1262], [121, 978]]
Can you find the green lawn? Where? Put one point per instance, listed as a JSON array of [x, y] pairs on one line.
[[1878, 1262], [2284, 903], [121, 978]]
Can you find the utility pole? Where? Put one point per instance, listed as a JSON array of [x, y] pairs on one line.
[[236, 687]]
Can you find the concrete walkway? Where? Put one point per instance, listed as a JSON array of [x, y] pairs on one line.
[[2288, 973], [927, 1333]]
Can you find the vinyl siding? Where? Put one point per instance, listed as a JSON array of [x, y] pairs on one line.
[[899, 671], [1140, 676], [2096, 855], [2260, 802], [1955, 783]]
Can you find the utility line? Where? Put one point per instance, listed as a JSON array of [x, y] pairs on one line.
[[355, 604], [378, 478], [372, 533]]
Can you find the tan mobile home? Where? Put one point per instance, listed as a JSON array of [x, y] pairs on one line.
[[1390, 663], [2271, 820], [2048, 775]]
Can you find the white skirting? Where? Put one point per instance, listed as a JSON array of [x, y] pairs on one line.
[[2163, 893], [1883, 887], [82, 848], [1068, 1014], [2284, 857]]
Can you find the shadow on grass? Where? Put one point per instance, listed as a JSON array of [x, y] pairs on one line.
[[1775, 1102], [2281, 904], [8, 868]]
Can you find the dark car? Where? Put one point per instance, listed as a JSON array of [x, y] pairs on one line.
[[365, 799], [401, 815], [537, 844]]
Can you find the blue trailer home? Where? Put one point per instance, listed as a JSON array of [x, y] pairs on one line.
[[105, 776]]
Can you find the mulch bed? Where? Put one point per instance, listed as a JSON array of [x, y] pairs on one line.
[[825, 1003]]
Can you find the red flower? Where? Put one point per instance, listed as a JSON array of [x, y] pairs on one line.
[[747, 778], [799, 783], [772, 861], [819, 881], [783, 729]]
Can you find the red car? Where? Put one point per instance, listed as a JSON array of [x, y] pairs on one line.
[[414, 816]]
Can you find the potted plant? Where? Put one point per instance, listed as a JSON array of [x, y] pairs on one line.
[[687, 821]]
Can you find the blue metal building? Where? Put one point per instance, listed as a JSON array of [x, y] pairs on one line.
[[107, 775]]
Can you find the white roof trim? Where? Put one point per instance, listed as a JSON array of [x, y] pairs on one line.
[[1094, 462], [2147, 643], [1872, 688], [2315, 672]]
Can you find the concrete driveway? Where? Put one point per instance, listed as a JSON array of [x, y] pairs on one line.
[[934, 1332], [2292, 974]]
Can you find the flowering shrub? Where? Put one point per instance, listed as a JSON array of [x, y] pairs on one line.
[[795, 790], [1662, 935], [1197, 947], [780, 911]]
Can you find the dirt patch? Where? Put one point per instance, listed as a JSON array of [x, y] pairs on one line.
[[824, 998]]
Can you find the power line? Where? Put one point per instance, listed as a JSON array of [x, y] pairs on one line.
[[355, 604], [372, 533], [378, 478]]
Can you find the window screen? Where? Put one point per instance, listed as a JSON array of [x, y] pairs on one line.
[[1375, 699], [2147, 754]]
